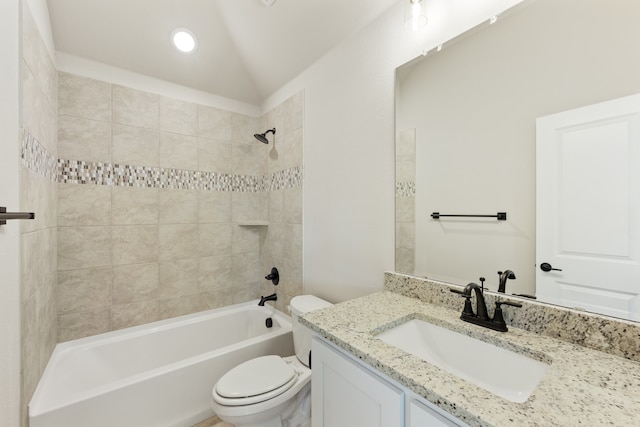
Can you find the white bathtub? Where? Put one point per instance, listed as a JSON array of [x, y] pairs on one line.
[[159, 374]]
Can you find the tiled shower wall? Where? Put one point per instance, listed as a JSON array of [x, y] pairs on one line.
[[38, 117], [405, 200], [157, 198], [281, 241]]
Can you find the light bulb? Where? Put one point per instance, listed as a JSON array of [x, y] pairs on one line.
[[183, 40], [415, 16]]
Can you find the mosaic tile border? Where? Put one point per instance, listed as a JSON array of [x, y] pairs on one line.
[[110, 174], [37, 159], [405, 189]]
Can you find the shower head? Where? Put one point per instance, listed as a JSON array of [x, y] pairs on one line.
[[262, 137]]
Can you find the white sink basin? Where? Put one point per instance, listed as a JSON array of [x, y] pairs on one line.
[[505, 373]]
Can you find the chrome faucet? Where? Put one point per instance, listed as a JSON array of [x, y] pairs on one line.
[[504, 275], [272, 297]]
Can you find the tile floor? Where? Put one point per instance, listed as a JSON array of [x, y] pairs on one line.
[[213, 422]]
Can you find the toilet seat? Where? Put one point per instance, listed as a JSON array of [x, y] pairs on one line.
[[255, 381]]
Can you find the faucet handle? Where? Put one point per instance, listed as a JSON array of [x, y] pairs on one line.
[[468, 309], [498, 318]]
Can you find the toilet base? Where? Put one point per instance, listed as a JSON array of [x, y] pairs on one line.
[[293, 413]]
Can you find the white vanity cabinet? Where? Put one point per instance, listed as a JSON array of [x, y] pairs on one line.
[[423, 414], [348, 393], [345, 394]]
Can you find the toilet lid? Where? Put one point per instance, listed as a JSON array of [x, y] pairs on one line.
[[256, 377]]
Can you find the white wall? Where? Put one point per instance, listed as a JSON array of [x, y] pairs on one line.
[[9, 234], [349, 145]]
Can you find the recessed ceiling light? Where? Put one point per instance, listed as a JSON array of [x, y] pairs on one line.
[[184, 40]]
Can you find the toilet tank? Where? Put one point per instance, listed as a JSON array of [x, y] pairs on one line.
[[298, 306]]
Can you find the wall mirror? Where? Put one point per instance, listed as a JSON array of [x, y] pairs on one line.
[[466, 131]]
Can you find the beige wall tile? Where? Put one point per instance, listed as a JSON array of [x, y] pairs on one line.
[[276, 206], [291, 150], [243, 292], [214, 155], [124, 316], [38, 262], [172, 252], [214, 273], [244, 127], [181, 305], [133, 205], [293, 205], [31, 347], [84, 97], [246, 270], [294, 249], [83, 139], [275, 241], [292, 277], [178, 277], [178, 116], [84, 290], [245, 206], [246, 240], [80, 205], [405, 209], [295, 111], [80, 325], [37, 114], [214, 206], [135, 108], [178, 206], [39, 195], [215, 239], [217, 299], [37, 58], [178, 241], [83, 247], [133, 244], [248, 159], [214, 123], [135, 283], [178, 151], [135, 146]]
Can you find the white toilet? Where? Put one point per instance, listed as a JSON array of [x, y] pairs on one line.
[[271, 391]]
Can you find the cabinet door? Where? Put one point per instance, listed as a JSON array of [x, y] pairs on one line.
[[420, 415], [345, 394]]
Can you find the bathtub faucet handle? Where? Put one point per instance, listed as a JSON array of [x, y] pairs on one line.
[[272, 297], [274, 276]]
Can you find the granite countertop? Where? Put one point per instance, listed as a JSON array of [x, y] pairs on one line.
[[581, 387]]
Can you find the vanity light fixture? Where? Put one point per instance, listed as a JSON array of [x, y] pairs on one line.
[[184, 40], [415, 14]]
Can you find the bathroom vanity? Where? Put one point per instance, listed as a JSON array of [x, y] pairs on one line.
[[591, 374], [347, 392]]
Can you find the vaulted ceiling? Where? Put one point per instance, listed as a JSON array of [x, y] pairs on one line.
[[246, 50]]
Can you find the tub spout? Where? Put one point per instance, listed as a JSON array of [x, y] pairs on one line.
[[272, 297]]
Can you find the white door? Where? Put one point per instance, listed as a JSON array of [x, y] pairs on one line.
[[587, 208]]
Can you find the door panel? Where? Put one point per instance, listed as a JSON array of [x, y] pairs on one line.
[[587, 213]]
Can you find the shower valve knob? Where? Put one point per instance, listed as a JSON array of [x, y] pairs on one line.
[[274, 276]]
